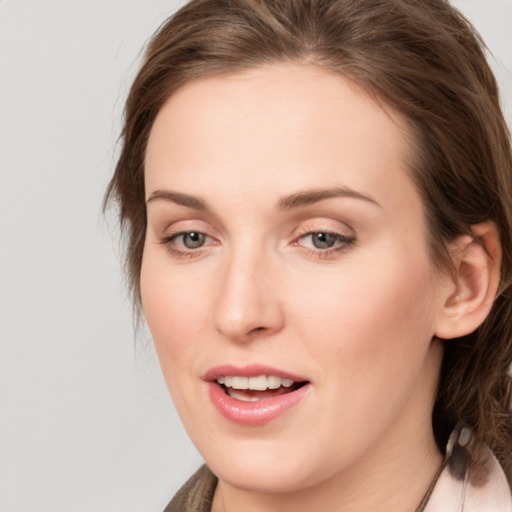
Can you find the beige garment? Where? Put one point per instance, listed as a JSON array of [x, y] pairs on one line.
[[470, 480]]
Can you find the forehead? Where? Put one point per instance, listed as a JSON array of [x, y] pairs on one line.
[[279, 128]]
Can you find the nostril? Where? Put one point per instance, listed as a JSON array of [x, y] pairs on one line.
[[256, 330]]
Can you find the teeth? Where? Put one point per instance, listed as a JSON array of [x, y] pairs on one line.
[[240, 382], [273, 382], [237, 395], [259, 383]]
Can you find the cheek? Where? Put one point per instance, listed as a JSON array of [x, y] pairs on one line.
[[175, 309], [374, 321], [368, 336]]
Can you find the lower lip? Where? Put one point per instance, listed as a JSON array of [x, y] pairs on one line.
[[254, 413]]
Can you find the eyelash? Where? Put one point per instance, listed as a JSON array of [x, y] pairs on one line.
[[342, 243]]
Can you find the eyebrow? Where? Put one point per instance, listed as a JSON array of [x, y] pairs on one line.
[[308, 197], [176, 197], [290, 202]]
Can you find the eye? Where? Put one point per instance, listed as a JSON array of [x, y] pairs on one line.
[[186, 243], [190, 240], [325, 241]]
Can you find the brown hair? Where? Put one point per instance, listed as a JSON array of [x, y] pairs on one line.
[[424, 60]]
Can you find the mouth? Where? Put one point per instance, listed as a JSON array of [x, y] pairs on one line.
[[254, 395], [260, 387]]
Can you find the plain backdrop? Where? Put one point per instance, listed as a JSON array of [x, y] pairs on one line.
[[85, 420]]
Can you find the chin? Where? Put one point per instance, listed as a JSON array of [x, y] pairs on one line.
[[253, 477], [265, 466]]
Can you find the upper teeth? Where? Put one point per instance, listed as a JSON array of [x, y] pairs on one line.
[[260, 383]]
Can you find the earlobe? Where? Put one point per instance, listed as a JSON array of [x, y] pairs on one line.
[[474, 284]]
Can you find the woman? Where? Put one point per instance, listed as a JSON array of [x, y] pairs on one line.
[[318, 198]]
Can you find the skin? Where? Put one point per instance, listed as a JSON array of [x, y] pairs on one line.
[[358, 320]]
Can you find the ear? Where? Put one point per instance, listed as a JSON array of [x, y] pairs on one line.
[[474, 282]]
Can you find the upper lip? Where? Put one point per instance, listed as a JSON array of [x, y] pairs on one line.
[[253, 370]]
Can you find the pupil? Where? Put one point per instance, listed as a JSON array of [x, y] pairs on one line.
[[324, 240], [193, 240]]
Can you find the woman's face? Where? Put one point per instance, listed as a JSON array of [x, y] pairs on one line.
[[286, 252]]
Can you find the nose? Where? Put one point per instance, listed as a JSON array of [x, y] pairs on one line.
[[247, 304]]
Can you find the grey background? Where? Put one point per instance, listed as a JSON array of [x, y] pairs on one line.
[[85, 420]]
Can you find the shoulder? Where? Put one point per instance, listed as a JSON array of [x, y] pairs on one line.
[[196, 495]]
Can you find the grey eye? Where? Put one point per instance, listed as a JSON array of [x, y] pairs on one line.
[[324, 240], [193, 240]]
